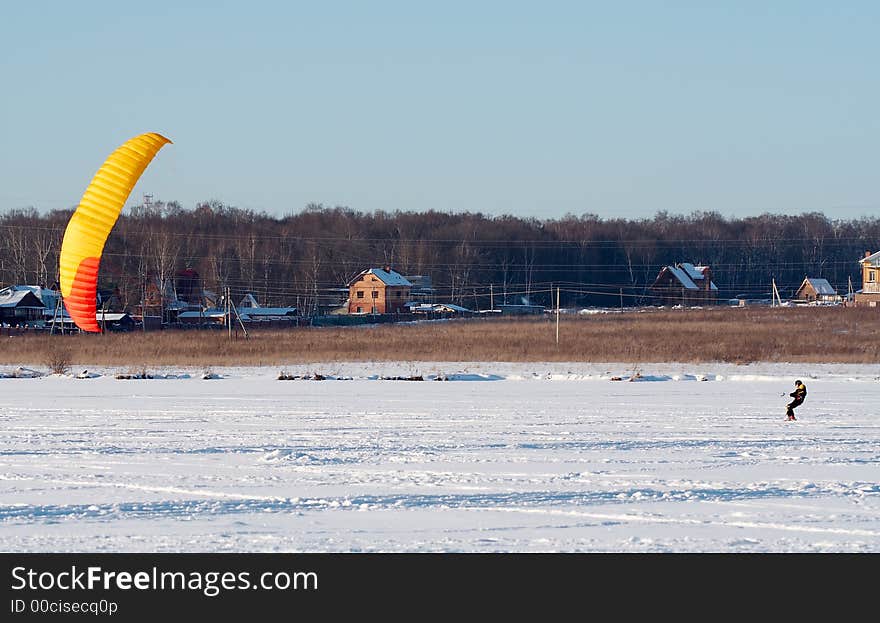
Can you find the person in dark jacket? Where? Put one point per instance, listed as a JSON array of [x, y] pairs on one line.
[[799, 394]]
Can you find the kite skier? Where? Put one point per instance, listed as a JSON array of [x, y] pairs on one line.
[[799, 394]]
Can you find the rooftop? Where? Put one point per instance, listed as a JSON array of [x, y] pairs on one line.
[[821, 286], [13, 296], [389, 278], [872, 260]]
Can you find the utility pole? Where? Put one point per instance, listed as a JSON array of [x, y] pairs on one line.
[[234, 310], [557, 316], [59, 305], [491, 296], [775, 298], [228, 314], [621, 298]]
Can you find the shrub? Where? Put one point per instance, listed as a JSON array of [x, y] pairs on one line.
[[58, 357]]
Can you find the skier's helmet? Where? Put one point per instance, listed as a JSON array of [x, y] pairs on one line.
[[798, 382]]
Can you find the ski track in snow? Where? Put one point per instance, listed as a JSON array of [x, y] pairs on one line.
[[542, 457]]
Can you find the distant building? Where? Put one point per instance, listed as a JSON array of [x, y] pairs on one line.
[[159, 299], [422, 290], [436, 308], [520, 310], [246, 313], [816, 290], [204, 316], [332, 301], [869, 295], [250, 310], [107, 299], [19, 306], [684, 284], [115, 321], [47, 296], [188, 287], [449, 308], [378, 291]]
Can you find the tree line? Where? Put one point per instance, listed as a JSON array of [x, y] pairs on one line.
[[306, 258]]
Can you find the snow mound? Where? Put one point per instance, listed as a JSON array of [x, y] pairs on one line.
[[138, 376], [467, 376], [690, 377], [21, 373], [284, 376], [290, 455]]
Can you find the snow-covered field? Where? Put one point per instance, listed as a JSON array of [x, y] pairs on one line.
[[502, 458]]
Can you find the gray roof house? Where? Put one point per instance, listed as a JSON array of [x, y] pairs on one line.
[[814, 289]]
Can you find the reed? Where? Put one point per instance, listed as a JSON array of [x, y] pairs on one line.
[[815, 335]]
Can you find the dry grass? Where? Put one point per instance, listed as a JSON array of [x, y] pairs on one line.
[[836, 334]]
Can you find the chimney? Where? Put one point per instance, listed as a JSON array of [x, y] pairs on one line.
[[387, 268], [868, 254]]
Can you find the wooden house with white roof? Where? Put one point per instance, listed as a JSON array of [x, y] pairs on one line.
[[869, 295], [815, 290], [20, 305]]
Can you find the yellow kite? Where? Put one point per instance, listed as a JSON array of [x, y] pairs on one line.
[[92, 221]]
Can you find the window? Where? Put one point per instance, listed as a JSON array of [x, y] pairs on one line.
[[360, 294], [375, 294], [398, 293], [360, 310], [872, 275]]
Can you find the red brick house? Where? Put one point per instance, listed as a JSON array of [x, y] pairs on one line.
[[684, 284], [378, 291]]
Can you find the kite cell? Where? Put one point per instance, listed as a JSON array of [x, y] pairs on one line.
[[92, 221]]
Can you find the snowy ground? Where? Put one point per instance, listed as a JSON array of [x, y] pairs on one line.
[[503, 457]]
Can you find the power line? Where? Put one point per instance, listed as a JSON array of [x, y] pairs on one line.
[[530, 244]]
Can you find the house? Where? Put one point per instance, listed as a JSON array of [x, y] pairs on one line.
[[869, 295], [48, 297], [115, 321], [449, 308], [816, 290], [520, 310], [188, 286], [422, 288], [378, 291], [416, 307], [684, 284], [249, 309], [204, 316], [19, 306], [159, 299], [332, 301]]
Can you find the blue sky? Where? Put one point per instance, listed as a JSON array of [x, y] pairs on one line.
[[526, 108]]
